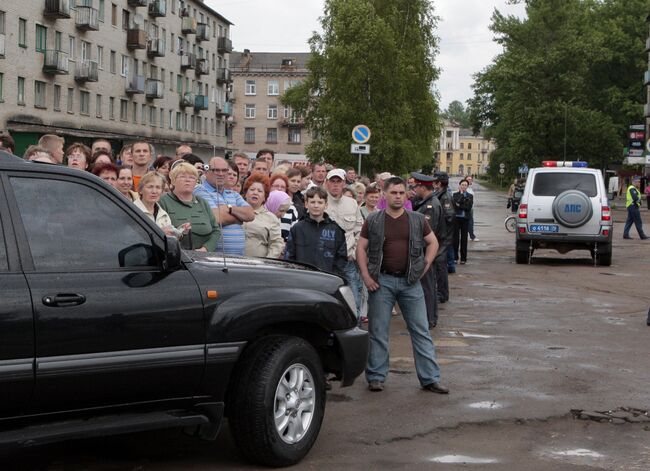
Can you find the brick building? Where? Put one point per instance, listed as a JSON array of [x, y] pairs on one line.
[[118, 69]]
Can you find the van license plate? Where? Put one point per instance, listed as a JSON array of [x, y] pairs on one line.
[[543, 228]]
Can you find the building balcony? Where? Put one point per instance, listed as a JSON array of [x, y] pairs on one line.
[[188, 61], [188, 25], [156, 48], [202, 67], [292, 122], [86, 71], [138, 3], [135, 84], [202, 32], [225, 109], [224, 45], [56, 62], [154, 88], [136, 39], [57, 9], [158, 8], [201, 102], [223, 75], [87, 18], [187, 99], [2, 45]]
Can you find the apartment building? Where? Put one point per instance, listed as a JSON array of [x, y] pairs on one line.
[[259, 120], [460, 152], [117, 69]]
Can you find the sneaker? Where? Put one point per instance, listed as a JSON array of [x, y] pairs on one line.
[[436, 388], [476, 239], [375, 385], [463, 262]]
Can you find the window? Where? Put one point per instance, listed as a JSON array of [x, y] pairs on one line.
[[85, 50], [250, 87], [39, 94], [124, 110], [112, 239], [162, 118], [178, 121], [3, 253], [249, 135], [22, 32], [469, 156], [134, 113], [143, 114], [448, 134], [179, 84], [272, 135], [41, 38], [84, 102], [71, 48], [124, 66], [101, 8], [152, 115], [294, 136], [70, 100], [250, 111], [126, 19], [113, 60], [98, 106], [290, 83], [273, 87], [469, 146], [2, 22], [462, 156], [552, 184], [100, 57], [113, 14], [171, 117], [462, 145], [58, 41], [111, 108], [21, 91], [2, 81], [448, 155], [272, 112]]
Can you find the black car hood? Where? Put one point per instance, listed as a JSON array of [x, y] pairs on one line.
[[218, 260]]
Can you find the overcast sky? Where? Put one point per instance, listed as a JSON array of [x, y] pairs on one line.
[[466, 44]]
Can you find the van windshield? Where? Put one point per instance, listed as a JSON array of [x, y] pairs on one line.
[[552, 184]]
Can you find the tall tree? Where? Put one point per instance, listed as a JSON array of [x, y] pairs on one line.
[[457, 112], [569, 70], [372, 64]]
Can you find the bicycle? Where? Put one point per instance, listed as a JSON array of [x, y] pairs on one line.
[[510, 221]]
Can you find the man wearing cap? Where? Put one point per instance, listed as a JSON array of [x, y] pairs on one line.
[[344, 211], [633, 203], [440, 185], [428, 205]]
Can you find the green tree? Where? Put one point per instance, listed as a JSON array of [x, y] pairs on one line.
[[372, 64], [457, 112], [571, 65]]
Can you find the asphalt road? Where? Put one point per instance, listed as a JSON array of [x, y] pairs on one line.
[[520, 347]]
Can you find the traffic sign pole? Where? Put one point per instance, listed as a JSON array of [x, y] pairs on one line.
[[360, 135]]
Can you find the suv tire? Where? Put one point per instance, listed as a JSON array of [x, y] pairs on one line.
[[277, 377], [563, 204], [604, 259], [521, 256]]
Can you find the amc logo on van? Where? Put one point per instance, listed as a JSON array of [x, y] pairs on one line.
[[573, 208]]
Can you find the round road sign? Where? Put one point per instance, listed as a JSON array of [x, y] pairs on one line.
[[502, 170], [502, 166], [361, 134]]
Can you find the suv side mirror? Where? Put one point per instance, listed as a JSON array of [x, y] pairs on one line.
[[173, 253]]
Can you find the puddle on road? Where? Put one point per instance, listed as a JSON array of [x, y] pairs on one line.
[[462, 459], [579, 453], [459, 333], [615, 321], [486, 405]]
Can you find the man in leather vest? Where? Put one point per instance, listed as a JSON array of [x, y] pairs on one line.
[[440, 184], [428, 205], [395, 249]]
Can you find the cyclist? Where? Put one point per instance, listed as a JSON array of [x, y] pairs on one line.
[[515, 193]]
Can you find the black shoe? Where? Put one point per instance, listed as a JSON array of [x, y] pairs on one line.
[[645, 237], [436, 388], [627, 237], [375, 385], [432, 325]]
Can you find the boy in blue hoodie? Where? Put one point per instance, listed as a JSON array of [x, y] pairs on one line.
[[316, 239]]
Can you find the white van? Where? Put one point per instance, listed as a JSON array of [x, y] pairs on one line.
[[564, 207]]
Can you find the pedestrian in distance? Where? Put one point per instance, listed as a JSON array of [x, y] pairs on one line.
[[463, 202], [633, 203], [443, 260], [395, 249], [470, 224]]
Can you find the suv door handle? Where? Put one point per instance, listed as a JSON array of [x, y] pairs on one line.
[[64, 300]]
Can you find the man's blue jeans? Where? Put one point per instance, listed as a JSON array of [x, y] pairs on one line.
[[411, 302], [352, 276]]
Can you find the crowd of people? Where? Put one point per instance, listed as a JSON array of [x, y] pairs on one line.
[[395, 241]]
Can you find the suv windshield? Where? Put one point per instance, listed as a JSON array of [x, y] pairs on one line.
[[552, 184]]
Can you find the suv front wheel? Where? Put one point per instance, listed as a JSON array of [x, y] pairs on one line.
[[277, 401]]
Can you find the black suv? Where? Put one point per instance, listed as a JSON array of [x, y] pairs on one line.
[[107, 326]]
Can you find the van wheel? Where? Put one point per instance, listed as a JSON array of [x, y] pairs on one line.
[[521, 256], [277, 401]]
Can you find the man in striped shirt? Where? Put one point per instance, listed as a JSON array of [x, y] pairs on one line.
[[229, 208]]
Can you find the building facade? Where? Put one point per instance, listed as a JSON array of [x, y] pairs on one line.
[[117, 69], [259, 120], [461, 153]]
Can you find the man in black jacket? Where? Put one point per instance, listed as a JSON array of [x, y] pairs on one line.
[[463, 202], [428, 204], [440, 186]]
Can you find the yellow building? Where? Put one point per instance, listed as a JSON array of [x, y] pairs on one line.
[[461, 153]]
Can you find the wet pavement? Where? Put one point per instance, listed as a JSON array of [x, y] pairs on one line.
[[532, 355]]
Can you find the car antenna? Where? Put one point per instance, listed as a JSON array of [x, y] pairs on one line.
[[223, 251]]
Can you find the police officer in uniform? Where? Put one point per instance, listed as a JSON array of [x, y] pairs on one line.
[[440, 184], [428, 204]]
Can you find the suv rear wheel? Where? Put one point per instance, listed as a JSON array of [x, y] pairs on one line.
[[277, 401], [603, 259]]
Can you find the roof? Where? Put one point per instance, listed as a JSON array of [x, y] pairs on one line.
[[213, 11], [269, 61]]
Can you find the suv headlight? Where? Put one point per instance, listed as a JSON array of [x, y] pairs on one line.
[[348, 297]]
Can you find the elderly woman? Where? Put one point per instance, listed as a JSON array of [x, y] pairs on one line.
[[78, 156], [189, 212], [151, 189], [370, 200], [107, 172], [126, 156], [263, 237], [125, 183]]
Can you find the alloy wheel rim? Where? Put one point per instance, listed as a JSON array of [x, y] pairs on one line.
[[295, 400]]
